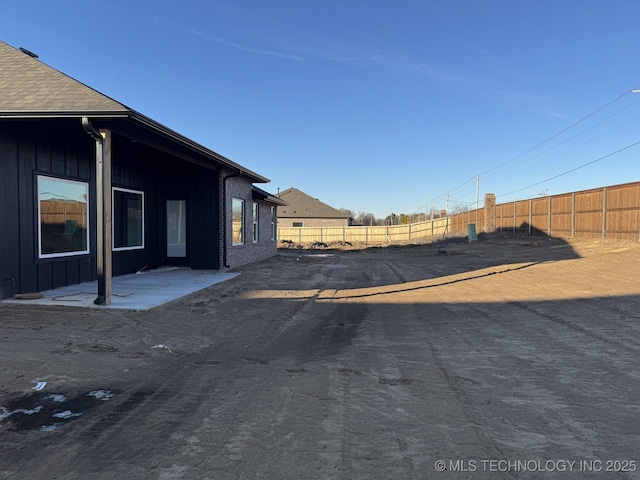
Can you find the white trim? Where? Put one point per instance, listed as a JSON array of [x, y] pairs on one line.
[[255, 225], [39, 219], [242, 231], [113, 220], [272, 214]]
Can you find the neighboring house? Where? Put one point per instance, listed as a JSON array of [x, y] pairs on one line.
[[303, 210], [90, 189]]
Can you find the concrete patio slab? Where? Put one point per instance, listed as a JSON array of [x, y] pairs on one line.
[[137, 291]]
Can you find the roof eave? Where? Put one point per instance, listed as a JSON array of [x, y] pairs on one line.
[[259, 194], [175, 136], [147, 123], [25, 114]]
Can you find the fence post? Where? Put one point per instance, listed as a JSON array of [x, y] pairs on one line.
[[573, 215], [366, 235], [300, 235], [549, 218], [344, 234], [515, 207], [530, 215], [604, 212]]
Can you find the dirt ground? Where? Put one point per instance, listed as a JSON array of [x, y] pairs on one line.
[[510, 357]]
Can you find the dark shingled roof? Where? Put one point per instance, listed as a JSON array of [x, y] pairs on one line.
[[301, 205], [32, 89], [28, 85]]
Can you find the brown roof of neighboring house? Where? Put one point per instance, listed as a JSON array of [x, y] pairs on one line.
[[31, 89], [301, 205]]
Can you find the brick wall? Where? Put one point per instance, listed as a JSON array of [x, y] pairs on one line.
[[489, 213], [248, 252]]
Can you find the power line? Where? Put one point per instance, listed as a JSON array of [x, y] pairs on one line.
[[573, 125], [566, 151], [573, 169], [546, 141], [572, 137], [560, 132]]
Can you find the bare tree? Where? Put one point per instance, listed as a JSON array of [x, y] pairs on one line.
[[459, 208], [366, 218], [347, 212]]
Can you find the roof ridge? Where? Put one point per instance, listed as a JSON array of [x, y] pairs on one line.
[[32, 89], [303, 205], [31, 86]]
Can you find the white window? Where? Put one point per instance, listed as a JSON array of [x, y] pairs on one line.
[[128, 219], [256, 226], [273, 223], [63, 220], [237, 228]]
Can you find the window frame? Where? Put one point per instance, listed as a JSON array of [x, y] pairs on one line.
[[273, 224], [75, 253], [235, 200], [255, 211], [113, 219]]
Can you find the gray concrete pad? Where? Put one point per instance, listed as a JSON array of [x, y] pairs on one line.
[[137, 291]]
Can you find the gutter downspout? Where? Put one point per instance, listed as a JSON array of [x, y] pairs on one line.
[[100, 197], [224, 216]]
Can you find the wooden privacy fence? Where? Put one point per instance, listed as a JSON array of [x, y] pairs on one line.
[[610, 212], [63, 211], [362, 234]]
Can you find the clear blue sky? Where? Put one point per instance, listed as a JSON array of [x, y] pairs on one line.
[[375, 106]]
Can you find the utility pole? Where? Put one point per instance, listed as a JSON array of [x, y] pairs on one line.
[[447, 204]]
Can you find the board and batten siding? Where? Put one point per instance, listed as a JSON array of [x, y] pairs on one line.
[[57, 150], [63, 150]]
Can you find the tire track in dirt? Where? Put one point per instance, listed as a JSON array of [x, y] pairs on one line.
[[575, 326]]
